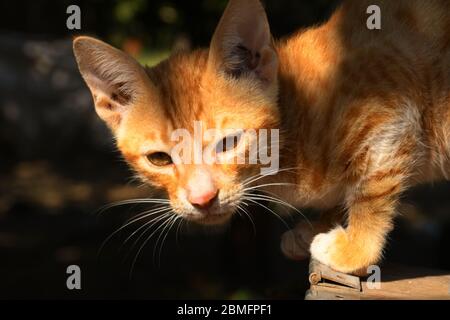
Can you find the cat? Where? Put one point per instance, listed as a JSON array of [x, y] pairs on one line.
[[363, 115]]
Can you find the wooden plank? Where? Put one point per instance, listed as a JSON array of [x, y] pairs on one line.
[[400, 282], [397, 283]]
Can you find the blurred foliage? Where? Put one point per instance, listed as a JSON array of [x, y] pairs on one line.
[[150, 28], [125, 11]]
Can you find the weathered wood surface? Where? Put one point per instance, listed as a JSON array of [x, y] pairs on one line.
[[397, 283]]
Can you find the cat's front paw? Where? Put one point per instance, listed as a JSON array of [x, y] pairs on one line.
[[336, 250]]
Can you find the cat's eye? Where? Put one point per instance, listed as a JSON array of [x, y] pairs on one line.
[[229, 143], [160, 159]]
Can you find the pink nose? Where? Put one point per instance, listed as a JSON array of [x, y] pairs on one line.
[[203, 200]]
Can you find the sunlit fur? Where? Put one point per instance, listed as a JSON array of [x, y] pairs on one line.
[[364, 114]]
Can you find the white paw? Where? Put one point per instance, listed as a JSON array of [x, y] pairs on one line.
[[295, 243], [322, 246]]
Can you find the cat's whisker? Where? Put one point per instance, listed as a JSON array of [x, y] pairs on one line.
[[133, 201], [261, 176], [179, 221], [178, 229], [268, 209], [148, 214], [153, 221], [246, 181], [148, 226], [265, 175], [146, 241], [174, 220], [155, 248], [268, 193], [275, 184], [256, 176], [273, 199], [280, 202], [247, 214], [286, 209]]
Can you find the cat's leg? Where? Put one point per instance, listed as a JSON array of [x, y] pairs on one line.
[[377, 176], [371, 208], [295, 243]]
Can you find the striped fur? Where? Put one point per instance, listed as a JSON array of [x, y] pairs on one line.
[[364, 114]]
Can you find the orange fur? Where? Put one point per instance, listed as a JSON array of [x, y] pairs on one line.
[[364, 114]]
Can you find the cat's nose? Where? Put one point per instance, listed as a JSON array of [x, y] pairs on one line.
[[203, 200], [201, 189]]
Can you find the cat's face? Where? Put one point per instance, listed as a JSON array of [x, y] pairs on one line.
[[188, 125]]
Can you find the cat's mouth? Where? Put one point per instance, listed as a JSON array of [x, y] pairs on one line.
[[209, 217], [218, 211]]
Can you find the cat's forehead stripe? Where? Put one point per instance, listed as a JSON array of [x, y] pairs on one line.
[[178, 82]]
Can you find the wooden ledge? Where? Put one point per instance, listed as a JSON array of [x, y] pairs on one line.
[[397, 283]]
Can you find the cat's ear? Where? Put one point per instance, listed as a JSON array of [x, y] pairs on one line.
[[115, 79], [242, 43]]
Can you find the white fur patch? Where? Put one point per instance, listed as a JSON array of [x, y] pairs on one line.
[[322, 245]]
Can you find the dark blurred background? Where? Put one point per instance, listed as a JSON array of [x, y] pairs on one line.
[[58, 166]]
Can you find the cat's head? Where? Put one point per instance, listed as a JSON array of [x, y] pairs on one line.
[[156, 114]]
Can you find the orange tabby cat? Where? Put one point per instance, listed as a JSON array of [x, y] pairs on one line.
[[363, 115]]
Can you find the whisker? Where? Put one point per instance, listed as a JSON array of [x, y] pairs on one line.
[[270, 210], [275, 200], [153, 221], [268, 193], [147, 227], [280, 202], [148, 214], [161, 235], [132, 201], [281, 184], [170, 226], [178, 229], [145, 243], [247, 214], [261, 176]]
